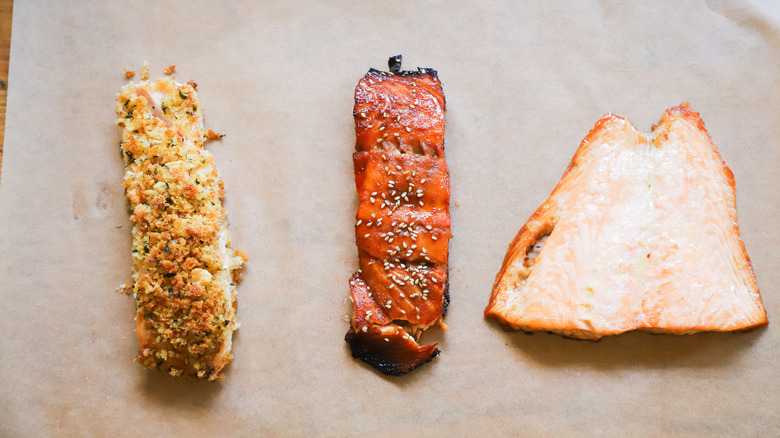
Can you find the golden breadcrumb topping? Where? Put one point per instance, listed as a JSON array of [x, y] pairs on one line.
[[185, 271], [169, 70]]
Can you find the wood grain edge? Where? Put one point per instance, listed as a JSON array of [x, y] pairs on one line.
[[6, 13]]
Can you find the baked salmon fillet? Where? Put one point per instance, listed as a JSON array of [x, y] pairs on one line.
[[403, 222], [185, 273], [640, 233]]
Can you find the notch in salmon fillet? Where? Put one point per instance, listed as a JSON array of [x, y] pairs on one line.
[[403, 220], [640, 233], [185, 272]]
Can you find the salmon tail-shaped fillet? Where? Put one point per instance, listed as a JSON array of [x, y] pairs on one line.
[[640, 233], [403, 221], [185, 272]]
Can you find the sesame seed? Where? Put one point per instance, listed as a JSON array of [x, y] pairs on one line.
[[411, 106], [428, 227], [360, 221], [379, 140], [366, 236], [387, 340], [373, 194], [372, 199], [395, 134], [434, 238], [385, 135], [408, 129], [382, 128], [421, 204], [384, 157], [398, 167], [363, 115], [369, 223], [423, 180], [365, 328]]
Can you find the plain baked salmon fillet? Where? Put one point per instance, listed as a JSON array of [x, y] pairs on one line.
[[185, 273], [403, 219], [640, 233]]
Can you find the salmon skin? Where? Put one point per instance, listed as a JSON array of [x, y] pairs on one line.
[[403, 222], [640, 233]]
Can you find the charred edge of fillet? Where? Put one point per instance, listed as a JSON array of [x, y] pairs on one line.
[[446, 303], [394, 65], [393, 355]]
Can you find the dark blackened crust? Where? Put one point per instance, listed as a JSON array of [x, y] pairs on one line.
[[446, 296], [394, 65], [394, 354]]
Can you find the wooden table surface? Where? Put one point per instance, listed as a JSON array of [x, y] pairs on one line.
[[6, 6]]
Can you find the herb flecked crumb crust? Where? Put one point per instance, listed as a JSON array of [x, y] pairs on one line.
[[185, 272]]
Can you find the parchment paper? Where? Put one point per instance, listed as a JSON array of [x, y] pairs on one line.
[[524, 83]]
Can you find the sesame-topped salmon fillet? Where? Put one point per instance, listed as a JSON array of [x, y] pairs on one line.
[[185, 273], [640, 234], [403, 222]]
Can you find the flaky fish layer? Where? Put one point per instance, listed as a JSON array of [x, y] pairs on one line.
[[640, 233]]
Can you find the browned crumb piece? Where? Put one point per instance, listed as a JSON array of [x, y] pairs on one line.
[[129, 74], [211, 135], [169, 70]]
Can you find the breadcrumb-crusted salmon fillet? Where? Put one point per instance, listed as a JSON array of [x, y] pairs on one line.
[[640, 233], [185, 273], [403, 221]]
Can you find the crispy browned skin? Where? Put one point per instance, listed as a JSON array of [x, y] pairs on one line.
[[403, 221]]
